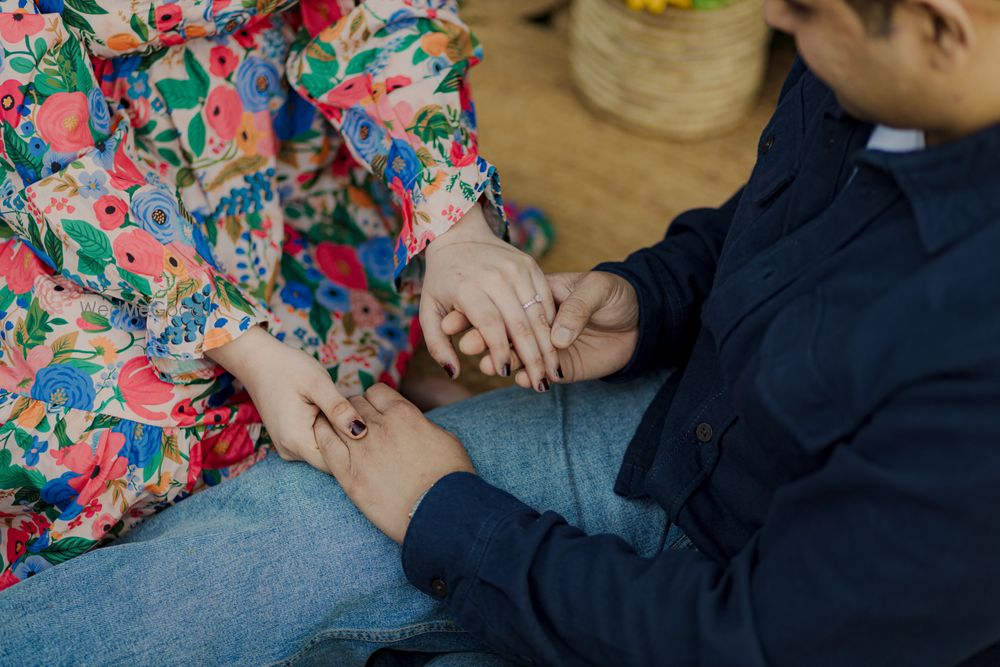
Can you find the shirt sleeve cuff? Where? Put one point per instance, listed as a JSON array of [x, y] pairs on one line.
[[451, 530]]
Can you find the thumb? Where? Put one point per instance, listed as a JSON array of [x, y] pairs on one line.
[[338, 409], [589, 295]]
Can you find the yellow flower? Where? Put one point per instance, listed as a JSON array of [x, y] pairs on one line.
[[31, 416], [162, 486], [246, 136], [105, 348], [216, 338], [174, 264]]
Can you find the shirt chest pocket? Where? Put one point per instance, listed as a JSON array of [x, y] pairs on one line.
[[792, 384]]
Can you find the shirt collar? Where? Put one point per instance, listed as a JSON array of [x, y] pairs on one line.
[[954, 188]]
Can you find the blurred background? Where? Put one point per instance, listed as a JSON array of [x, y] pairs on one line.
[[609, 185]]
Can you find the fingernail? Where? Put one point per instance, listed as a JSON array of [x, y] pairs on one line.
[[450, 370], [562, 336], [358, 427], [560, 373], [543, 385], [505, 371]]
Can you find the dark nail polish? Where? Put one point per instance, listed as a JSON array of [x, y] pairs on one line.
[[450, 370], [543, 385], [560, 373], [358, 427], [505, 371]]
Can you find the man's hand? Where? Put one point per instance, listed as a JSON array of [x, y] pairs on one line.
[[400, 457], [291, 390], [499, 289], [596, 328]]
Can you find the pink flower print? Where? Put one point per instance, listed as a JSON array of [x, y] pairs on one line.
[[11, 99], [222, 62], [20, 375], [95, 467], [167, 17], [137, 251], [110, 212], [18, 24], [366, 309], [350, 92], [102, 526], [62, 122], [224, 112], [141, 388], [55, 292], [20, 266]]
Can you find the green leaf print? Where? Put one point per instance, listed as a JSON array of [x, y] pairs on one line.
[[86, 6], [197, 73], [15, 477], [17, 149], [139, 27], [196, 135], [72, 19], [36, 325], [22, 65], [429, 124], [60, 433], [360, 62], [138, 283], [67, 548], [93, 242], [53, 248], [24, 439], [367, 380], [321, 321], [90, 267], [6, 298], [178, 94], [453, 79]]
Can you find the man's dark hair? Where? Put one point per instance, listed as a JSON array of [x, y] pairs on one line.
[[877, 14]]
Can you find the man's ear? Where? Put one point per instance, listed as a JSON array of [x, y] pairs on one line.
[[949, 30]]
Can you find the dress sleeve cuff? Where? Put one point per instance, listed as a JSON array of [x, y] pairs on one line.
[[438, 207], [451, 530]]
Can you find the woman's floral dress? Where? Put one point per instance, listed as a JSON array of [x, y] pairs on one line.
[[173, 173]]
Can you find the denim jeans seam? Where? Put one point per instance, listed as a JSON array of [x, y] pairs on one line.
[[392, 636]]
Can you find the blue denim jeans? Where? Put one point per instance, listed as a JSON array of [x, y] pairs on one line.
[[278, 567]]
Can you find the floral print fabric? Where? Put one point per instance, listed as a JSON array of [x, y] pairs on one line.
[[171, 176]]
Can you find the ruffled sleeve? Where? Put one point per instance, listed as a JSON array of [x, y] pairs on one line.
[[73, 190], [391, 76]]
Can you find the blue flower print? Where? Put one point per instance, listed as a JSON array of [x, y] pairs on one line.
[[297, 295], [58, 493], [333, 297], [257, 83], [92, 184], [295, 117], [38, 447], [142, 441], [36, 146], [128, 318], [402, 163], [156, 212], [100, 115], [54, 162], [31, 566], [376, 255], [391, 331], [364, 134], [62, 385]]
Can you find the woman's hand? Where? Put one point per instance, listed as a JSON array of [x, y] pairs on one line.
[[291, 390], [402, 455], [488, 281], [596, 329]]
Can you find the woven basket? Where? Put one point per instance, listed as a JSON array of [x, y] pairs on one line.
[[684, 74]]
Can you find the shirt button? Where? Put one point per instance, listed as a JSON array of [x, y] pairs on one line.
[[704, 432], [768, 145], [439, 588]]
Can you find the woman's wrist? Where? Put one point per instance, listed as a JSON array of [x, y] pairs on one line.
[[473, 226], [241, 355]]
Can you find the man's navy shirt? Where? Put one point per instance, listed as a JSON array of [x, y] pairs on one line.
[[829, 440]]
